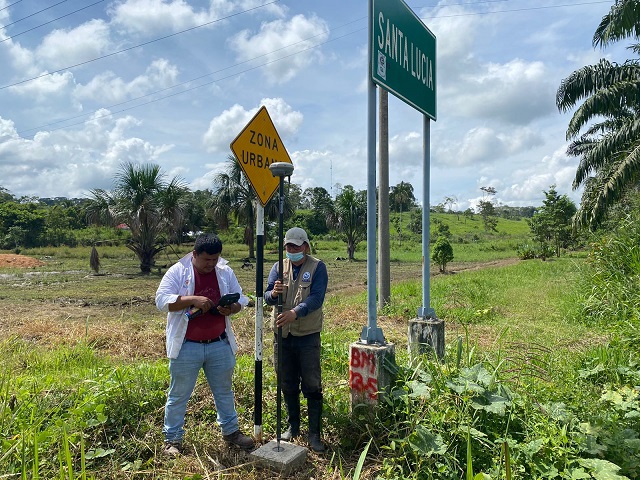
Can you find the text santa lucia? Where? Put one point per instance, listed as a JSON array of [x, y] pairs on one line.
[[256, 159], [393, 42]]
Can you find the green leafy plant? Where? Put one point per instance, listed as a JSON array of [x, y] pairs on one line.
[[442, 253]]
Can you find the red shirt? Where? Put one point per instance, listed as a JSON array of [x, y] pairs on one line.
[[211, 324]]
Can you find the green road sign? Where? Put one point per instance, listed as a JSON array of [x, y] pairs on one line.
[[403, 54]]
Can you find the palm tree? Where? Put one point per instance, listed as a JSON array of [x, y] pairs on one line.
[[318, 200], [349, 218], [609, 148], [142, 200], [402, 198], [173, 204], [234, 197]]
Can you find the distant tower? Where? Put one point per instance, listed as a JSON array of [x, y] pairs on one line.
[[331, 177]]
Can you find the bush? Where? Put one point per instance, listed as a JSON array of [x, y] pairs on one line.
[[526, 252], [442, 253]]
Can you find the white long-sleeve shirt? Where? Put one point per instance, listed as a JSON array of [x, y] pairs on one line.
[[178, 281]]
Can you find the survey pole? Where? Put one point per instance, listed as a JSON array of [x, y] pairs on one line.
[[281, 170], [257, 417]]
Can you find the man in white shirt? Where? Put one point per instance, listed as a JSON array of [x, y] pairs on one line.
[[206, 341]]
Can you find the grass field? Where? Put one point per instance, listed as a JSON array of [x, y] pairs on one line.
[[85, 376]]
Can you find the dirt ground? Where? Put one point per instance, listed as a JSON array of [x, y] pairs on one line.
[[68, 319], [10, 260]]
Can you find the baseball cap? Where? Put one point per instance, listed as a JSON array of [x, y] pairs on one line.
[[296, 236]]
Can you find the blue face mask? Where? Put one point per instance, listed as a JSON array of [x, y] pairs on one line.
[[295, 257]]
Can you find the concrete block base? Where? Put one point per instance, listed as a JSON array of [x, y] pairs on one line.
[[368, 375], [286, 460], [426, 337]]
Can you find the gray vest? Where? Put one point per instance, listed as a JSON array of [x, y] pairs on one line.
[[295, 292]]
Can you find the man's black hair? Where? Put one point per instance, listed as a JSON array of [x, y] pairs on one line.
[[209, 243]]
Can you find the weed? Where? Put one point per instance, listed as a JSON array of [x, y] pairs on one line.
[[523, 392]]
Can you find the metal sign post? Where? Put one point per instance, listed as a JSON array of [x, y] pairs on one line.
[[402, 59], [256, 147], [280, 169]]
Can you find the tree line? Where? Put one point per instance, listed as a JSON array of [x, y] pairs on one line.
[[148, 211]]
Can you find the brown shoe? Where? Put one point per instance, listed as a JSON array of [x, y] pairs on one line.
[[239, 439], [172, 449]]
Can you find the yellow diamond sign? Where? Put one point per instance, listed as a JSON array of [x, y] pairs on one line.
[[256, 147]]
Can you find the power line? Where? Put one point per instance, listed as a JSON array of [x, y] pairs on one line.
[[524, 9], [33, 14], [255, 67], [46, 23], [248, 69], [204, 76], [134, 46], [10, 5]]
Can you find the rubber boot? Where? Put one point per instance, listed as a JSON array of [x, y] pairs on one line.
[[292, 403], [314, 406]]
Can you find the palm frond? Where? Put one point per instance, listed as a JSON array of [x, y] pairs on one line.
[[588, 80], [615, 102], [605, 151], [622, 21], [607, 188]]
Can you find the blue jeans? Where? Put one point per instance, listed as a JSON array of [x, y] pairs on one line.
[[218, 361]]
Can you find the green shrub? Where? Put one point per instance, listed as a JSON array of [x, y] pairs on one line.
[[442, 253]]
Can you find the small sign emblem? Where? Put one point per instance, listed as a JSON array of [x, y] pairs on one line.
[[382, 65]]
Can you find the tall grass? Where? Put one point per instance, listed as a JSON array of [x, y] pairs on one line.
[[527, 389], [55, 402], [610, 291]]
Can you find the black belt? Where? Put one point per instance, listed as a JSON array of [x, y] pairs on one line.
[[221, 337]]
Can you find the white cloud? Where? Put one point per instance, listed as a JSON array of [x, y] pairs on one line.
[[44, 87], [482, 146], [7, 131], [62, 48], [406, 149], [459, 29], [149, 17], [107, 87], [153, 17], [279, 39], [228, 125], [71, 163], [312, 164], [19, 58], [556, 169], [516, 92]]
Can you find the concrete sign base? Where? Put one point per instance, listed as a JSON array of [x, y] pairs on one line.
[[288, 458]]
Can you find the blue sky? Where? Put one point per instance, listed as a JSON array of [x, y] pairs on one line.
[[85, 86]]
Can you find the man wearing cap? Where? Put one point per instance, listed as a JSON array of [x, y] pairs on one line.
[[303, 286]]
